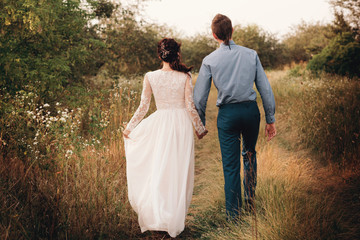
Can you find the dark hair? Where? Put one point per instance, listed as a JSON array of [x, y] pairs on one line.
[[221, 26], [169, 51]]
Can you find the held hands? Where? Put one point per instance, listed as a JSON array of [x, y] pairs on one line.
[[270, 131], [200, 136], [126, 133]]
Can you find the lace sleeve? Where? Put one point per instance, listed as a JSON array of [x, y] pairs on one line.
[[190, 107], [143, 107]]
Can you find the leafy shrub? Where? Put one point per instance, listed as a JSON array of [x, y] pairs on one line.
[[46, 46], [341, 56], [306, 39], [271, 52], [296, 71], [193, 50]]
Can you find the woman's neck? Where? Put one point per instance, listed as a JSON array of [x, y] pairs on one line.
[[166, 66]]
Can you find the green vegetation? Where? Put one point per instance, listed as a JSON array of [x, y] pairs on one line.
[[45, 46], [341, 56], [306, 40], [271, 52], [194, 50], [69, 81], [327, 108]]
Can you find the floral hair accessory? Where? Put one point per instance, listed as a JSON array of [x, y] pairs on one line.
[[164, 52]]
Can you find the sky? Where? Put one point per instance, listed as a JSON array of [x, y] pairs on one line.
[[275, 16]]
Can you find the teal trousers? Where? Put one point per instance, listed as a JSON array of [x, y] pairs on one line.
[[236, 122]]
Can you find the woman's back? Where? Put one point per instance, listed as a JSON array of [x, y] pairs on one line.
[[160, 149], [168, 88]]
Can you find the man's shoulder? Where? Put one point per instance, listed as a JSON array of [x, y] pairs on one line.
[[246, 50], [212, 55]]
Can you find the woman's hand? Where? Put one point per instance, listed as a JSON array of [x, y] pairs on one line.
[[126, 133], [200, 136]]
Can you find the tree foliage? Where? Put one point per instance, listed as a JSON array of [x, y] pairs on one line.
[[341, 56], [306, 40], [347, 16], [45, 45], [131, 48], [271, 52], [194, 49]]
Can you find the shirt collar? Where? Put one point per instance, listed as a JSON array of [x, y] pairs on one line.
[[231, 42]]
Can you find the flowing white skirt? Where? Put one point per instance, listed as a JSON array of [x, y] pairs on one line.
[[160, 170]]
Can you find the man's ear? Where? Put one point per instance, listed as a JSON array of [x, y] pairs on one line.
[[214, 35]]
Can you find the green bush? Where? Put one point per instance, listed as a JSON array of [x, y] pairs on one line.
[[271, 52], [193, 50], [341, 56], [307, 39], [45, 46]]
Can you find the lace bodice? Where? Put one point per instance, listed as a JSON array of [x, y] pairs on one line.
[[171, 89]]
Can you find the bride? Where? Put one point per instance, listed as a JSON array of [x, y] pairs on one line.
[[160, 149]]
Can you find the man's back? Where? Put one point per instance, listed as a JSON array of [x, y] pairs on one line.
[[234, 70]]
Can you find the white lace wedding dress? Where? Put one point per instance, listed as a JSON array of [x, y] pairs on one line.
[[160, 152]]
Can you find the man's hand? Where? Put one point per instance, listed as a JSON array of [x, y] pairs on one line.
[[201, 135], [270, 131]]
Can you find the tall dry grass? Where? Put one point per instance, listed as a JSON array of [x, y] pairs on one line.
[[323, 110], [298, 196], [93, 184], [76, 188]]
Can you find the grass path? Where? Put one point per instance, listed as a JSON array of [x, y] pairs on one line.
[[297, 197]]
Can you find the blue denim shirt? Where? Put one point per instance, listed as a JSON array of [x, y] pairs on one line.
[[234, 70]]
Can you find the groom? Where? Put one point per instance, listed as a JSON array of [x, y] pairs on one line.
[[234, 70]]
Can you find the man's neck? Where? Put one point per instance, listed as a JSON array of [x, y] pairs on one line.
[[221, 41]]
